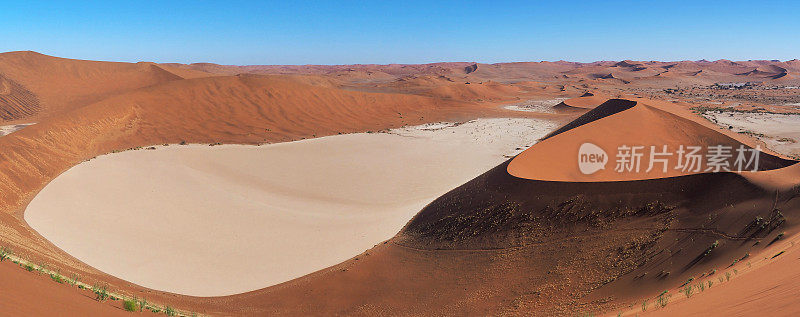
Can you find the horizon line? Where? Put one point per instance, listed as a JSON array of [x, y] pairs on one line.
[[423, 63]]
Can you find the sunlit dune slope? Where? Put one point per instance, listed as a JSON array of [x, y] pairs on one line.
[[64, 84], [620, 123]]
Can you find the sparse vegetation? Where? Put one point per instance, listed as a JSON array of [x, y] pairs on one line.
[[712, 247], [41, 268], [704, 109], [129, 305], [74, 279], [142, 303], [56, 277], [4, 253], [778, 237], [644, 305], [100, 292], [687, 290], [663, 299]]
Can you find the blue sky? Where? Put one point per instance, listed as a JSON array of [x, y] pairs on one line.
[[349, 32]]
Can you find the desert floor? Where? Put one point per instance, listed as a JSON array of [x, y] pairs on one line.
[[205, 221], [780, 132]]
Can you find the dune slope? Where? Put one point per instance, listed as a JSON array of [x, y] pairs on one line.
[[621, 123], [64, 84]]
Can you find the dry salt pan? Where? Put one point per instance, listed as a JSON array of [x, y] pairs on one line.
[[227, 219]]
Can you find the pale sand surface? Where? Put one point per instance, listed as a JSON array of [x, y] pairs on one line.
[[781, 132], [544, 106], [11, 128], [206, 221]]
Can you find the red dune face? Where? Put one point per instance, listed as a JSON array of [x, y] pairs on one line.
[[636, 142]]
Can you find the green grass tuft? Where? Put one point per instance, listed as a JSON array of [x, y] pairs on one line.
[[662, 299], [57, 278], [142, 303], [688, 291], [129, 305]]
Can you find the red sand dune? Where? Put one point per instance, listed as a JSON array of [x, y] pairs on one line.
[[669, 73], [618, 123], [64, 84], [31, 294], [769, 289], [473, 91], [585, 102]]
